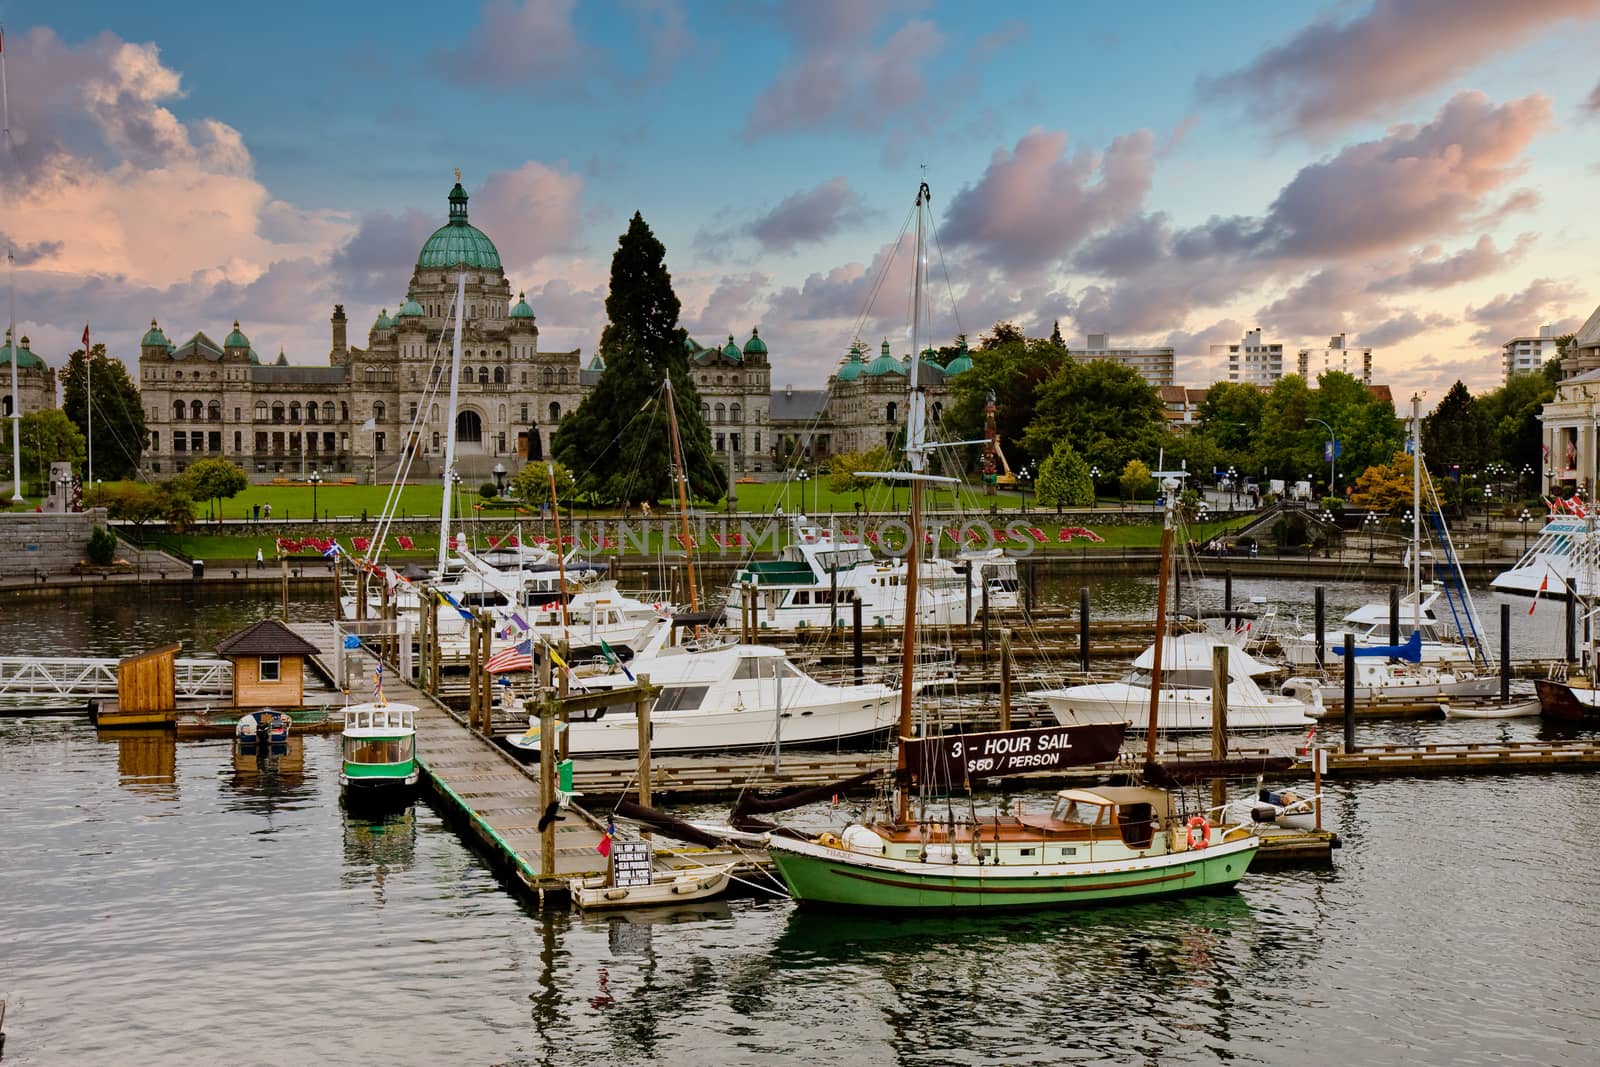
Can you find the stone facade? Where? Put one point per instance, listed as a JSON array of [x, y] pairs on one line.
[[735, 384], [36, 542], [36, 382]]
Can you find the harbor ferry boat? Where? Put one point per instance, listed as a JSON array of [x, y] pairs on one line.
[[379, 752]]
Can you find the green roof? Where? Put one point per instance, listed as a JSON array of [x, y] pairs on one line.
[[755, 346], [852, 365], [236, 339], [522, 310], [383, 322], [929, 359], [25, 356], [598, 362], [690, 345], [884, 364], [155, 336], [732, 352], [458, 243], [411, 309], [961, 363]]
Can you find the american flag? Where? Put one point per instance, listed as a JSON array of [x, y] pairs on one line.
[[518, 657]]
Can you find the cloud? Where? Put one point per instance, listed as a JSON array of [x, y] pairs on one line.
[[376, 262], [1035, 204], [1432, 377], [1480, 259], [1403, 327], [569, 316], [532, 211], [988, 45], [28, 255], [1512, 314], [1591, 106], [1331, 74], [838, 76], [1135, 245], [518, 43], [664, 26], [731, 307], [809, 216], [1413, 184]]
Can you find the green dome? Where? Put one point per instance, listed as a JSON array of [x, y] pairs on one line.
[[283, 360], [457, 243], [962, 362], [522, 310], [384, 322], [598, 363], [930, 359], [755, 346], [411, 309], [852, 365], [690, 345], [236, 339], [884, 364], [25, 357], [155, 336], [732, 351]]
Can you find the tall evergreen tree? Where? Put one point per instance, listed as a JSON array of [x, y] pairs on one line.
[[617, 443], [119, 430], [1456, 433], [1055, 335]]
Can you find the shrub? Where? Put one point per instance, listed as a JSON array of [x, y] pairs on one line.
[[102, 547], [488, 491]]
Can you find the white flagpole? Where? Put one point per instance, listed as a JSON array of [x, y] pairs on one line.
[[11, 272]]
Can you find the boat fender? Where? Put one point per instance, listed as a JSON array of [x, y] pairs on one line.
[[1199, 832], [1262, 813], [830, 840]]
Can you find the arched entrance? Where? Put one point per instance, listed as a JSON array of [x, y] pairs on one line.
[[469, 429]]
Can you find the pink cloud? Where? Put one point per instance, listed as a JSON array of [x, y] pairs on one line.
[[1473, 262], [1330, 74], [531, 212], [1513, 314], [518, 43], [1035, 204], [810, 215]]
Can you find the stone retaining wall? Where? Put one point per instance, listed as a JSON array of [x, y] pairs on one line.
[[37, 542]]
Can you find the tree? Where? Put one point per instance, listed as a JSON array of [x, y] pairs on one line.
[[1104, 409], [135, 502], [1055, 336], [1064, 479], [1456, 433], [1012, 371], [844, 468], [1135, 478], [119, 430], [618, 438], [214, 480], [1230, 415], [48, 437], [1384, 486], [532, 484], [1512, 413], [1281, 449], [1004, 333], [177, 507], [1363, 424]]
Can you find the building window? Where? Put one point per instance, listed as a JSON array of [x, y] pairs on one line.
[[523, 415], [721, 442], [735, 412], [499, 376], [371, 375], [155, 440], [269, 670], [294, 411], [379, 412], [377, 441], [411, 411], [277, 411], [483, 375], [177, 411], [327, 411], [236, 417], [261, 440], [344, 411], [214, 441], [238, 441], [547, 377], [196, 412], [561, 376], [889, 412], [555, 413]]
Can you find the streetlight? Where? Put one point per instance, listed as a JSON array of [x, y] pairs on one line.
[[1022, 483], [1333, 453], [1233, 488], [1327, 517], [1523, 518], [804, 476], [1522, 477], [1371, 524], [316, 480], [1488, 503], [1094, 478]]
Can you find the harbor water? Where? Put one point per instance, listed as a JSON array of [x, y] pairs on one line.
[[170, 904]]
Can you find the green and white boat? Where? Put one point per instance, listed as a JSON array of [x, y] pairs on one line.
[[1093, 847], [379, 751]]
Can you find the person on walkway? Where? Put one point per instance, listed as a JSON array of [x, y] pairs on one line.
[[266, 511], [261, 564]]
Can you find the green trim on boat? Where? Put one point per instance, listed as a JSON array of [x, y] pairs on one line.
[[379, 770]]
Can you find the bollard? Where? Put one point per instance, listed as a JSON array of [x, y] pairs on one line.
[[1320, 611]]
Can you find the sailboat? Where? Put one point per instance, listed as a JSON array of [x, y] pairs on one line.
[[1090, 846]]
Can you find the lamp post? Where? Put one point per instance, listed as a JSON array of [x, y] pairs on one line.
[[1523, 518], [1094, 485], [1022, 483], [1233, 488], [1333, 453], [1371, 523], [316, 480], [1327, 518], [1522, 480], [1488, 503], [804, 476]]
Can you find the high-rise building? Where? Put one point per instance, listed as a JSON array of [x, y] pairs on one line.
[[1154, 365], [1337, 356], [1528, 355], [1250, 362]]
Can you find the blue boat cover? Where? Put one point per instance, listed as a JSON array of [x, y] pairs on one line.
[[1411, 651]]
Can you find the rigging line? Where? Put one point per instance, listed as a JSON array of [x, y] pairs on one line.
[[944, 267]]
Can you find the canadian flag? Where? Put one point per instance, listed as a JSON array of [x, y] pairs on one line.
[[1544, 583]]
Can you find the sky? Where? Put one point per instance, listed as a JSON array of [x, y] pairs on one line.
[[1416, 174]]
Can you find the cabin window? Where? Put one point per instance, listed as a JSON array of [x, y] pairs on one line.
[[752, 667], [802, 596], [682, 698], [269, 669]]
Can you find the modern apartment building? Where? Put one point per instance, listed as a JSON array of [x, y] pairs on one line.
[[1339, 355], [1154, 365], [1528, 355], [1252, 362]]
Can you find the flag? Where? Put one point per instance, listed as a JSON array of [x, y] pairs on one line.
[[518, 657], [556, 659], [522, 624], [332, 550], [611, 658], [450, 600], [370, 424], [604, 845], [86, 340], [377, 683], [1544, 583]]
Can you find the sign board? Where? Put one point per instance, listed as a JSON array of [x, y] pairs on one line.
[[632, 863], [957, 758]]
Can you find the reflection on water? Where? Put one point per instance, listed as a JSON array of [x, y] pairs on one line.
[[377, 847], [147, 760]]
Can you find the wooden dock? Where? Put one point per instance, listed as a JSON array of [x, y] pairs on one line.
[[1372, 761]]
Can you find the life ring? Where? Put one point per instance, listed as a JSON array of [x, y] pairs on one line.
[[1199, 832]]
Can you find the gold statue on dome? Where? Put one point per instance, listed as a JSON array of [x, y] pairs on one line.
[[458, 175]]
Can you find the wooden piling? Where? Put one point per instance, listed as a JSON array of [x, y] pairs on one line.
[[1005, 678], [472, 673], [1505, 653], [1320, 613], [361, 596], [383, 616], [1394, 614], [641, 713], [547, 785], [855, 636], [1350, 691], [486, 680], [1219, 720], [985, 622], [1227, 599], [1083, 629]]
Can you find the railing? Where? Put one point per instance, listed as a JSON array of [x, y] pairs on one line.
[[85, 676]]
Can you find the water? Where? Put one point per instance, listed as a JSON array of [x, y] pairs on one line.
[[165, 904]]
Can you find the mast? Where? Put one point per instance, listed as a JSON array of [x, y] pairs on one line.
[[11, 272], [88, 407], [683, 494], [561, 556], [1416, 511], [917, 459], [1171, 486], [450, 435]]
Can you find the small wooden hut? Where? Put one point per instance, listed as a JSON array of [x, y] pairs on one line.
[[268, 665], [146, 689]]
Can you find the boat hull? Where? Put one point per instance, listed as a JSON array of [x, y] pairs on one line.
[[1188, 710], [822, 876], [1563, 703]]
